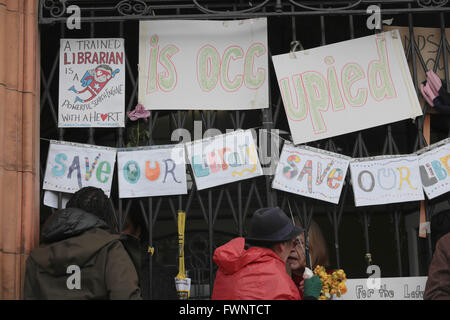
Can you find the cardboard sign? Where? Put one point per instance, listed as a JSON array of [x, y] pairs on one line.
[[206, 65], [401, 288], [311, 173], [91, 83], [72, 166], [151, 171], [346, 87], [434, 164], [223, 159], [427, 42], [382, 180]]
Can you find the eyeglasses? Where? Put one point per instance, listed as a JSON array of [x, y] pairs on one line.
[[298, 242]]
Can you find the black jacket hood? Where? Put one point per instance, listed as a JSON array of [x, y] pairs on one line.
[[71, 237], [70, 222]]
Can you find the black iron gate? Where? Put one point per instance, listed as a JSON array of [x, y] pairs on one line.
[[218, 214]]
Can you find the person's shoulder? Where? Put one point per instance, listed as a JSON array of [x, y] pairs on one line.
[[444, 243]]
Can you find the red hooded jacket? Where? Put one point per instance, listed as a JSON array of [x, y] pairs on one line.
[[253, 274]]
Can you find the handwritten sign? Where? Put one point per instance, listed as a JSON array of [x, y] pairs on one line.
[[223, 159], [401, 288], [91, 83], [346, 87], [434, 163], [51, 199], [427, 42], [311, 173], [72, 166], [153, 171], [214, 65], [386, 180]]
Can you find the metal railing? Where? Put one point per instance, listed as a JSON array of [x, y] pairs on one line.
[[235, 203]]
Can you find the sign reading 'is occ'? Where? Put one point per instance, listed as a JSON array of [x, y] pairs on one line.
[[207, 65]]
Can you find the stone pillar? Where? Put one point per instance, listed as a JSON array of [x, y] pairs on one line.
[[19, 141]]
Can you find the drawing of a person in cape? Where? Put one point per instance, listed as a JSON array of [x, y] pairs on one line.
[[94, 81]]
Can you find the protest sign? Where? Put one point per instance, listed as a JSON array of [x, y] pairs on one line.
[[386, 179], [427, 41], [311, 173], [72, 166], [151, 171], [206, 65], [346, 87], [91, 83], [401, 288], [434, 164], [51, 199], [223, 159]]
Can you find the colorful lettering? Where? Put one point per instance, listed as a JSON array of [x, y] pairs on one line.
[[317, 96], [131, 171], [405, 178], [335, 174], [378, 71], [103, 171], [208, 66], [252, 80], [59, 169], [291, 171], [152, 174]]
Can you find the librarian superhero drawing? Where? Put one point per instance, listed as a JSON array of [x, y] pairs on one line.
[[93, 83]]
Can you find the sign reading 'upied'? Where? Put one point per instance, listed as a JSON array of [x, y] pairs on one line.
[[346, 87], [214, 65]]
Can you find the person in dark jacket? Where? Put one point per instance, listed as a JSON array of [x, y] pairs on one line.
[[438, 282], [254, 268], [80, 257]]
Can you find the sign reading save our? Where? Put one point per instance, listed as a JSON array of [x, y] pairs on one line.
[[208, 65], [72, 166], [345, 87]]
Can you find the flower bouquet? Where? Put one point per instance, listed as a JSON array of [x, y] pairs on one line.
[[332, 284]]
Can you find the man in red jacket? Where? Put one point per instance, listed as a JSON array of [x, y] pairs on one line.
[[254, 268]]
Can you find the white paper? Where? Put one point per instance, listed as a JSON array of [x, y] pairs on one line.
[[386, 180], [223, 159], [206, 65], [435, 170], [91, 83], [311, 173], [326, 91], [72, 166], [401, 288], [51, 199], [154, 171]]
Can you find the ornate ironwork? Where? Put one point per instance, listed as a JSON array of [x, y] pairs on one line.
[[133, 7], [232, 203], [252, 9], [56, 7], [321, 8], [432, 3]]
